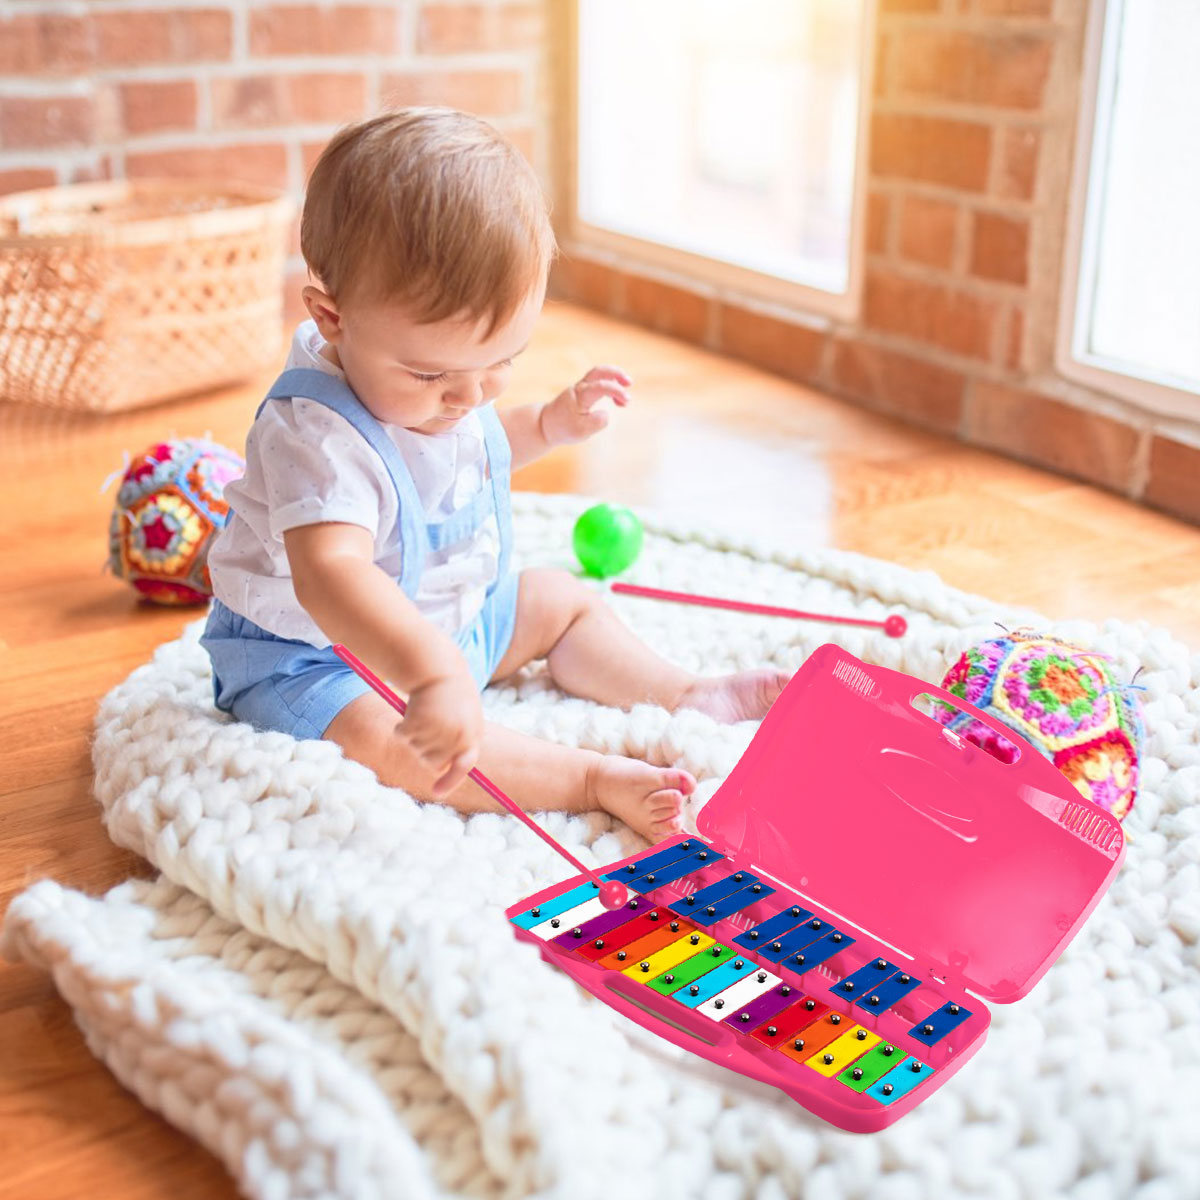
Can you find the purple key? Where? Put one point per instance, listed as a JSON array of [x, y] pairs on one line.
[[601, 924], [763, 1007]]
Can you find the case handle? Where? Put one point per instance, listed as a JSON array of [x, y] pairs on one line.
[[965, 706], [651, 1010], [899, 682]]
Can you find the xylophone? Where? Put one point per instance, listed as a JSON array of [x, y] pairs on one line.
[[862, 881]]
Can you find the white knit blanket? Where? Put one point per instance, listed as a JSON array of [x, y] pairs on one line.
[[322, 989]]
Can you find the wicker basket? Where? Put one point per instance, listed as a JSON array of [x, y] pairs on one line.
[[117, 295]]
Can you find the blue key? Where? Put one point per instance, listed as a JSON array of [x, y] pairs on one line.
[[899, 1081], [793, 940], [887, 993], [834, 942], [673, 870], [942, 1020], [732, 903], [715, 891], [555, 905], [717, 980], [866, 979], [772, 929], [638, 868]]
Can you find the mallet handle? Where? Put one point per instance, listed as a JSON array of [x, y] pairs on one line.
[[766, 610], [369, 677]]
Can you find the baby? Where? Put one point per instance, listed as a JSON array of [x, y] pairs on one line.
[[375, 508]]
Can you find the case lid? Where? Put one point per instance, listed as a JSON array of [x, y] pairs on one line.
[[980, 870]]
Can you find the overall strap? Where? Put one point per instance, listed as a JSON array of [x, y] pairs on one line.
[[462, 522], [500, 467], [336, 394]]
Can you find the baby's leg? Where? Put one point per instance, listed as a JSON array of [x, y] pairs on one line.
[[537, 775], [592, 653]]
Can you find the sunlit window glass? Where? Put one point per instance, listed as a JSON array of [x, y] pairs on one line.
[[726, 130], [1139, 303]]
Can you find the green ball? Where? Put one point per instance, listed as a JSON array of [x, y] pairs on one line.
[[607, 539]]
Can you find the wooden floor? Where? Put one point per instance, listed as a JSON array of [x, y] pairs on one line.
[[705, 436]]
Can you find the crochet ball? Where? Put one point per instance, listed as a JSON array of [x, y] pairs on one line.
[[607, 539], [1063, 700], [169, 506]]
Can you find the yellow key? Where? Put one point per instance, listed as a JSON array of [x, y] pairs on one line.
[[668, 957], [841, 1052]]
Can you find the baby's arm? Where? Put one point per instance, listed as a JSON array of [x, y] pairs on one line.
[[535, 428], [337, 582]]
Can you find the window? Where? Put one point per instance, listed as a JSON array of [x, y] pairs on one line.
[[708, 133], [1132, 306]]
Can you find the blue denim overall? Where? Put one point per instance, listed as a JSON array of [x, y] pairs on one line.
[[292, 686]]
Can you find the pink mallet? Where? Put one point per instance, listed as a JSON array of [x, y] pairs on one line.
[[612, 893], [895, 625]]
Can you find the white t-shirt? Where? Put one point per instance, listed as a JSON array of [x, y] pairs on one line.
[[306, 464]]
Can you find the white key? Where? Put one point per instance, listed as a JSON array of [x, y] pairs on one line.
[[738, 995], [566, 921]]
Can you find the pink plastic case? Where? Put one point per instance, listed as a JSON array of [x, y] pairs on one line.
[[967, 874]]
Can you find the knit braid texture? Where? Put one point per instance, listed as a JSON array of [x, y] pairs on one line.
[[322, 989]]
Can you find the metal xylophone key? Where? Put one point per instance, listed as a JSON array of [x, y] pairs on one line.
[[725, 906], [692, 969], [654, 936], [671, 955], [843, 1051], [876, 1063], [868, 977], [796, 939], [899, 1081], [940, 1022], [824, 948], [669, 872], [605, 924], [699, 900], [884, 995], [772, 929], [729, 1000], [609, 931], [790, 1022], [714, 981], [660, 858], [556, 906], [807, 1041], [770, 1004]]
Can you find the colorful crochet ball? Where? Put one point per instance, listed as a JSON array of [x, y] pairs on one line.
[[1064, 700], [170, 504]]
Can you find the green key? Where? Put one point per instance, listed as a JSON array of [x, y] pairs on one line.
[[872, 1065], [690, 969]]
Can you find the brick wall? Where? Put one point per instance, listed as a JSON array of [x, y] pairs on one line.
[[245, 89], [972, 134]]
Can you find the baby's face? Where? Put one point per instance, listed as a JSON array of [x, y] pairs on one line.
[[428, 377]]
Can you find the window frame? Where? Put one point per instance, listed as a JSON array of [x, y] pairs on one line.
[[1127, 381], [723, 278]]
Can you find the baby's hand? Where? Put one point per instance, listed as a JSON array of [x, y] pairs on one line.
[[444, 725], [571, 415]]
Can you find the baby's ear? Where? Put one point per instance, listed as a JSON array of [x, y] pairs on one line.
[[324, 311]]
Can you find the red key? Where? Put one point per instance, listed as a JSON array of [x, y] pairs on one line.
[[661, 935], [815, 1037], [789, 1022], [640, 926]]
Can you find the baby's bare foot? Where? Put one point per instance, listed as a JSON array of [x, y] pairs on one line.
[[744, 696], [648, 799]]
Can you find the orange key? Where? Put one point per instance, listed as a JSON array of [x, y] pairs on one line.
[[788, 1023], [817, 1036], [639, 927], [661, 935]]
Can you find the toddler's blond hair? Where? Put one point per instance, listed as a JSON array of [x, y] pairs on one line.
[[429, 208]]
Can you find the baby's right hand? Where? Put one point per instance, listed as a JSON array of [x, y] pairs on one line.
[[444, 725]]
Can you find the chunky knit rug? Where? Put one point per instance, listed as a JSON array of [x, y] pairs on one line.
[[322, 989]]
